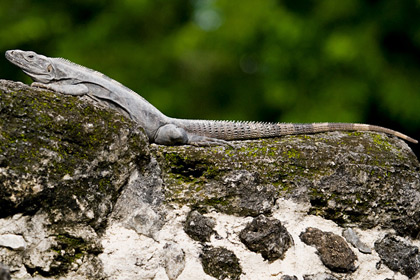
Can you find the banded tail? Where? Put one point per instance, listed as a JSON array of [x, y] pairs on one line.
[[231, 130]]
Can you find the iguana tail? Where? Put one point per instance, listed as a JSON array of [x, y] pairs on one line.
[[231, 130]]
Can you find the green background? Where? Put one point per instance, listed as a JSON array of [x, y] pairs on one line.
[[287, 61]]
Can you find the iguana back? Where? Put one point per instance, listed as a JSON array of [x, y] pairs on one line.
[[67, 77]]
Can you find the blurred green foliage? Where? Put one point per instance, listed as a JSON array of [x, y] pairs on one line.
[[268, 60]]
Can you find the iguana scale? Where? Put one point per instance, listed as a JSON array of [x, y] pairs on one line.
[[66, 77]]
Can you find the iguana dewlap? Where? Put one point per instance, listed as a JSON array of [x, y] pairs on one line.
[[66, 77]]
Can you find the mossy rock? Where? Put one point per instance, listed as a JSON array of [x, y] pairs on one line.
[[65, 153], [68, 158], [353, 178]]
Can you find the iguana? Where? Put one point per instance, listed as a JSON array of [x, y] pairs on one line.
[[66, 77]]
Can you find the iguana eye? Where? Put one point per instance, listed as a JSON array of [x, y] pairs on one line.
[[49, 68]]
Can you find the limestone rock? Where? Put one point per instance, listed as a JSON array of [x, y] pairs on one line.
[[63, 164], [332, 249], [92, 199], [354, 240], [12, 241], [398, 255], [174, 259], [266, 236], [140, 204], [220, 263]]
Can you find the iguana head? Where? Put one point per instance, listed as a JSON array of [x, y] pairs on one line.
[[37, 66]]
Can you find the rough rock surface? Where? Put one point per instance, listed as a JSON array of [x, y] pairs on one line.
[[63, 163], [199, 227], [333, 250], [398, 255], [363, 179], [267, 237], [83, 195], [221, 263]]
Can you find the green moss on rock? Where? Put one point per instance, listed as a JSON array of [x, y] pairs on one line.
[[61, 147], [346, 177], [67, 157]]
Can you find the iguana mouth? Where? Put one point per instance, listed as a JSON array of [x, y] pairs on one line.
[[11, 58], [34, 73], [18, 62]]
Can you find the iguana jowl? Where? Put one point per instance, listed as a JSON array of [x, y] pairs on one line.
[[66, 77]]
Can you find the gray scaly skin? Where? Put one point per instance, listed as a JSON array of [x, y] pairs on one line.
[[66, 77]]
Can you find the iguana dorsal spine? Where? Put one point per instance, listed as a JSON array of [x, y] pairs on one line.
[[64, 76]]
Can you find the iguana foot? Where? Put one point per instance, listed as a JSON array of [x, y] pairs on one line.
[[39, 85]]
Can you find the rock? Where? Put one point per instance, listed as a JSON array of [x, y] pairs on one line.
[[12, 241], [354, 240], [237, 192], [174, 259], [64, 161], [140, 204], [220, 263], [319, 276], [4, 272], [199, 227], [287, 277], [50, 249], [146, 221], [71, 156], [129, 255], [92, 199], [398, 255], [332, 249], [267, 237], [357, 179]]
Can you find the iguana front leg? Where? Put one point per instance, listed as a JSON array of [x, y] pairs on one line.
[[171, 134], [78, 89]]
